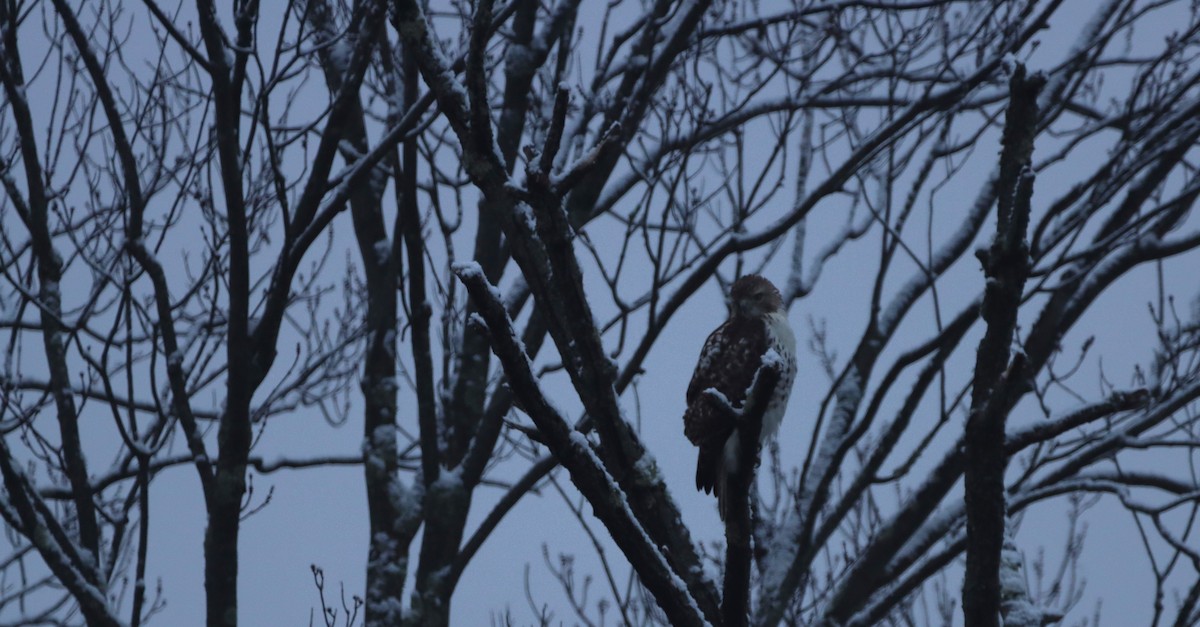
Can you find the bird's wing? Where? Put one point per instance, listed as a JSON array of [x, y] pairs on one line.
[[730, 357], [708, 365]]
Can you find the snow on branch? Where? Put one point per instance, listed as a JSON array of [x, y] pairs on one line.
[[998, 381], [1042, 431], [758, 394], [735, 503], [541, 242], [73, 567], [1015, 606], [575, 454]]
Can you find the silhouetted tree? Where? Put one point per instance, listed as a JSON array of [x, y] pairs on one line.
[[553, 183]]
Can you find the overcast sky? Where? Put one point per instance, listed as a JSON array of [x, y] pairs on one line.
[[320, 516]]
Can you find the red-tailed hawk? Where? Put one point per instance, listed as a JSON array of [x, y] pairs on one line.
[[728, 362]]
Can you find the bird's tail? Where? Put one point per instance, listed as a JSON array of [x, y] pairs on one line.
[[727, 469], [708, 467], [714, 465]]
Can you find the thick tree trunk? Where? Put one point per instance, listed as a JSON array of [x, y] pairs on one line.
[[392, 527]]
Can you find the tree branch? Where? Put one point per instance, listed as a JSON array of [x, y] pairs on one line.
[[575, 454], [1006, 266], [739, 521]]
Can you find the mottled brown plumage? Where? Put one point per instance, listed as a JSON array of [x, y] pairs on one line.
[[731, 356]]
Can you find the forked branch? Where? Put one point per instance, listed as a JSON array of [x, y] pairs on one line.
[[575, 453]]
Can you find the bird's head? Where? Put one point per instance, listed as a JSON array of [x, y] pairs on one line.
[[753, 296]]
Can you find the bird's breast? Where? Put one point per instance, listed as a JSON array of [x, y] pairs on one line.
[[783, 341]]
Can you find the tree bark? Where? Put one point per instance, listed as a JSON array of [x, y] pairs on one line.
[[739, 523], [559, 293], [573, 450], [391, 527], [1006, 266]]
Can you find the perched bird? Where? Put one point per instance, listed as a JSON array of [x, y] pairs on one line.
[[731, 357]]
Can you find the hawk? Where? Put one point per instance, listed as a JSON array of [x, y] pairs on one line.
[[731, 357]]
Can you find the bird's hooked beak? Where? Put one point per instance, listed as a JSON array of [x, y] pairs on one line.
[[741, 308]]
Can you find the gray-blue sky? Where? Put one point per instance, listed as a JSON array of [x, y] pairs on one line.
[[319, 516]]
